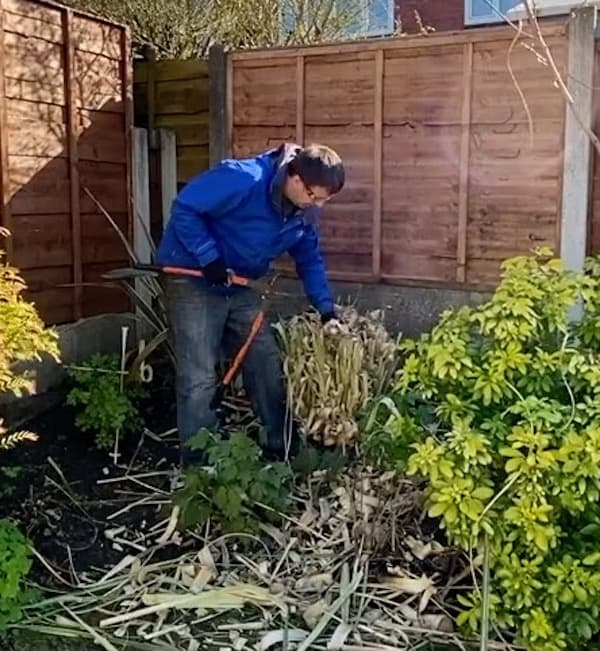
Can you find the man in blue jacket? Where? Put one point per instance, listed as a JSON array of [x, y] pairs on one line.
[[237, 218]]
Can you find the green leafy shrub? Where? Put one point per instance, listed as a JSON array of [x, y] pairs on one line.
[[514, 455], [23, 335], [23, 338], [235, 478], [15, 562], [106, 406]]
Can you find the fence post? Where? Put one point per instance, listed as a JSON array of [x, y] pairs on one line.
[[217, 104], [141, 219], [168, 171], [578, 148]]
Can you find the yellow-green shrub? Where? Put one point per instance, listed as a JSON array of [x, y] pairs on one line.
[[23, 335], [511, 452]]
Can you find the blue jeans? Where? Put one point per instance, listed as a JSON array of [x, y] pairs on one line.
[[203, 324]]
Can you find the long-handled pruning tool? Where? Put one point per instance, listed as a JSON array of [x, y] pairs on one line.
[[139, 270]]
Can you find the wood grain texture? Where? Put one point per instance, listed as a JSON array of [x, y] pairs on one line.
[[465, 152], [55, 303], [462, 187], [514, 179], [5, 207], [33, 25], [300, 99], [33, 69], [175, 70], [347, 223], [95, 37], [103, 297], [36, 129], [73, 156], [378, 162], [36, 10], [62, 124], [175, 95], [99, 82], [347, 83], [266, 95], [249, 141]]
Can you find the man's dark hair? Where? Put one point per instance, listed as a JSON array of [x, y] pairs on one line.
[[319, 165]]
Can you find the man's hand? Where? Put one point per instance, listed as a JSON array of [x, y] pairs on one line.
[[332, 326], [216, 273]]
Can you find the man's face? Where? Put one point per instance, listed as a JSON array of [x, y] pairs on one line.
[[303, 196]]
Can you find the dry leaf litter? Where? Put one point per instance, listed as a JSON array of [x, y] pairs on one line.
[[349, 569]]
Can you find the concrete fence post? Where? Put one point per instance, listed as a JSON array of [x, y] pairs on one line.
[[577, 165], [141, 218], [168, 171]]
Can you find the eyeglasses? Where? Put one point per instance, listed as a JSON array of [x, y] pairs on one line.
[[315, 198]]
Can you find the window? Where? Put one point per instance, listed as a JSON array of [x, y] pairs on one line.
[[364, 17], [479, 12]]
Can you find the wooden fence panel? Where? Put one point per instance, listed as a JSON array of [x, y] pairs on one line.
[[421, 154], [65, 118], [174, 95], [514, 180], [443, 181]]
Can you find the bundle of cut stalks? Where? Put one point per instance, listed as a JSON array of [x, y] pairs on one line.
[[333, 371]]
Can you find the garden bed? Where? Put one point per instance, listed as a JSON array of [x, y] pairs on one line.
[[462, 495], [352, 548]]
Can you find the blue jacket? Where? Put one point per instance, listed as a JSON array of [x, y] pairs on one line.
[[237, 211]]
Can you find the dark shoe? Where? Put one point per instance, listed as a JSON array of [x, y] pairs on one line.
[[191, 458], [269, 454]]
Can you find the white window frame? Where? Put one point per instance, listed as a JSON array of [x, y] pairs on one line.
[[366, 32], [488, 19], [391, 24]]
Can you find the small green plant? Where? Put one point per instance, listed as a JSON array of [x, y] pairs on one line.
[[514, 457], [107, 405], [23, 338], [15, 562], [236, 478], [8, 475], [23, 335]]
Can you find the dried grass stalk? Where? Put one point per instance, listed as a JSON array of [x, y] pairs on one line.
[[333, 371], [9, 441]]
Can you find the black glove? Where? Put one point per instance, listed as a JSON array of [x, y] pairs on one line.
[[215, 273], [327, 316]]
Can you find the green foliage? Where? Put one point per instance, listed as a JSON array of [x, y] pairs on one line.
[[310, 460], [515, 387], [15, 562], [179, 29], [23, 338], [8, 475], [106, 406], [23, 335], [390, 426], [235, 478]]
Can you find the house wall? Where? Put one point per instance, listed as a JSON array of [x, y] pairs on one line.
[[442, 15]]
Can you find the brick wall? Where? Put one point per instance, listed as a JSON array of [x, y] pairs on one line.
[[443, 15]]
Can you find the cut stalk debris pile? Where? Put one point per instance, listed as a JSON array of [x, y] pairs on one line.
[[347, 568], [332, 371]]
